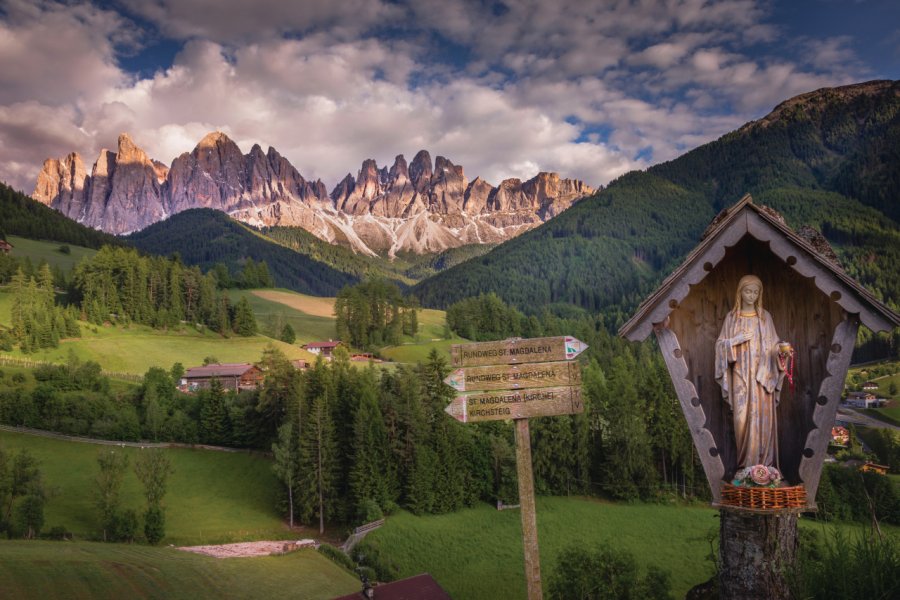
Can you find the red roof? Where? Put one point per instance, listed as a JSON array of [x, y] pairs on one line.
[[418, 587], [323, 344], [219, 370]]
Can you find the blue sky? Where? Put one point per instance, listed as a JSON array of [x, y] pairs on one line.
[[505, 88]]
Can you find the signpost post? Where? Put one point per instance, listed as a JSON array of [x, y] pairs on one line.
[[518, 379]]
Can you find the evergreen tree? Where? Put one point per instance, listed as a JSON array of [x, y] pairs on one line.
[[318, 463], [243, 321], [370, 474], [286, 465]]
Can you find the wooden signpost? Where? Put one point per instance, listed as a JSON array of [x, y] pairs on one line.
[[532, 379]]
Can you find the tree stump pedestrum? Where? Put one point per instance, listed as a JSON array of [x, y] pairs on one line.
[[757, 552]]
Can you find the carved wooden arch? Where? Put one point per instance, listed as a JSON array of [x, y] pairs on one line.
[[813, 304]]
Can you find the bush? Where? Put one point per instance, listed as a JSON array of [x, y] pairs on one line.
[[369, 554], [123, 526], [19, 377], [338, 556], [154, 525], [370, 511], [605, 574]]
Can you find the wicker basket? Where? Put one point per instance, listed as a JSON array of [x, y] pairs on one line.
[[763, 498]]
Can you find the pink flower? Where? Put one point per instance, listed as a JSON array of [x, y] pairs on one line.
[[760, 474], [774, 475]]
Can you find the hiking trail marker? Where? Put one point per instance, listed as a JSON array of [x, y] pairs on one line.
[[518, 379]]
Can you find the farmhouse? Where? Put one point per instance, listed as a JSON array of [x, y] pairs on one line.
[[869, 386], [325, 349], [5, 247], [232, 376], [862, 400], [840, 436]]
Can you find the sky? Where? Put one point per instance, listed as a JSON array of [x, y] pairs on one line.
[[507, 88]]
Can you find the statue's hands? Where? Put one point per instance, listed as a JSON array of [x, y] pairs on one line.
[[741, 338]]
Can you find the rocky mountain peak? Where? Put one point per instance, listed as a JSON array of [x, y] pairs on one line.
[[421, 206], [213, 139], [420, 170]]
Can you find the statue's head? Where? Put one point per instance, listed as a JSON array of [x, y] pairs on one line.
[[750, 288]]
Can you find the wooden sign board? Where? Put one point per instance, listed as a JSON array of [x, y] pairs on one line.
[[517, 404], [514, 377], [516, 350]]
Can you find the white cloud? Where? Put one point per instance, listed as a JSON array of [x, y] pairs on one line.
[[239, 21], [579, 87]]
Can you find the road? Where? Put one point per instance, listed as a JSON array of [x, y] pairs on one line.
[[848, 415]]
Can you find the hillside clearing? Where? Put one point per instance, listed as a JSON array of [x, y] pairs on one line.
[[311, 305], [214, 497]]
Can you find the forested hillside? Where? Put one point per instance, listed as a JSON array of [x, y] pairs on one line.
[[22, 216], [204, 237], [829, 159]]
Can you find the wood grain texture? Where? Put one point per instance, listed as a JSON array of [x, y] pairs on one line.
[[818, 438], [514, 377], [529, 512], [803, 315]]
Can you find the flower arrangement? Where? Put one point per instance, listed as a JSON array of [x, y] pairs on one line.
[[758, 476]]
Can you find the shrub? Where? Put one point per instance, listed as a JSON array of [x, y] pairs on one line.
[[154, 525], [338, 556], [604, 573]]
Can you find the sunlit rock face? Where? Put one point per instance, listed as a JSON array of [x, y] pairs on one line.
[[421, 206]]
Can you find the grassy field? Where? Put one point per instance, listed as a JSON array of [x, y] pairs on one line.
[[137, 348], [477, 553], [213, 496], [283, 306], [75, 570], [36, 251], [431, 336]]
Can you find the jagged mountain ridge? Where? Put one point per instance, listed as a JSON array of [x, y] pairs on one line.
[[420, 207]]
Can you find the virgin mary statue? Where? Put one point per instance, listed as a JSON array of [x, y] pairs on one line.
[[750, 373]]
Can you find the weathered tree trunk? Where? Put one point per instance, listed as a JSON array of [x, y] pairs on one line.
[[757, 553]]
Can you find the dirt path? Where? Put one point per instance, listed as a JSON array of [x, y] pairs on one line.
[[244, 549]]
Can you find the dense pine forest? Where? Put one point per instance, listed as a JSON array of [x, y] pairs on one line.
[[204, 237], [22, 216]]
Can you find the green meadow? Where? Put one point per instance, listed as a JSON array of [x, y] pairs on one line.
[[477, 553], [37, 250], [39, 570], [136, 348], [213, 496], [310, 325]]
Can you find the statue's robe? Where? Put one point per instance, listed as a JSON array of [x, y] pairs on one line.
[[751, 381]]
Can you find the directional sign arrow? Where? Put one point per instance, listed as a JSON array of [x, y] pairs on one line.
[[514, 377], [516, 404], [516, 350]]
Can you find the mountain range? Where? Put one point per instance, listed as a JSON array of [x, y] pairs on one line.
[[419, 207]]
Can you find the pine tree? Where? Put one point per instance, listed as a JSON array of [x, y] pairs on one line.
[[318, 454], [371, 471], [286, 464], [244, 322]]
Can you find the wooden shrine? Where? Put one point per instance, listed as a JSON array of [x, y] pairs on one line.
[[814, 304]]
